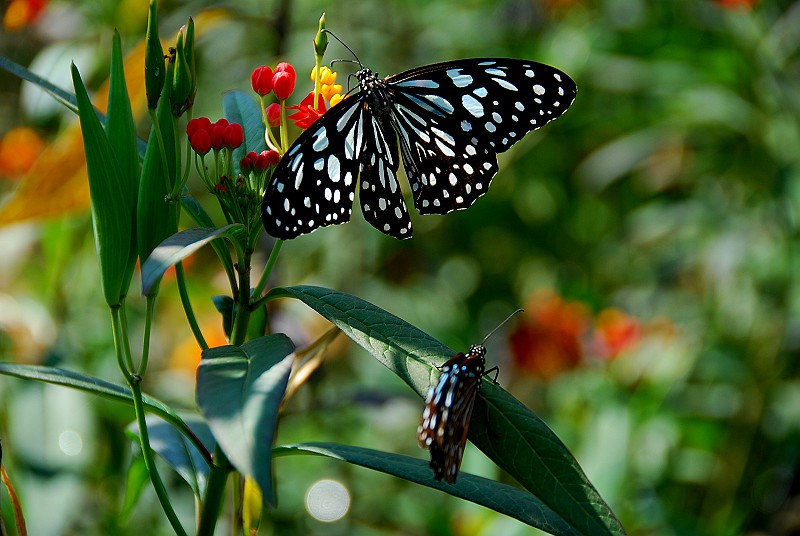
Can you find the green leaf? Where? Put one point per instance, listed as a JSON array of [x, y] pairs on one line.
[[112, 227], [65, 98], [240, 107], [137, 480], [177, 451], [224, 306], [121, 133], [239, 392], [502, 498], [180, 245], [101, 388], [502, 427]]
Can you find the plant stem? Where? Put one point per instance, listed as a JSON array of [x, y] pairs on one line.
[[187, 306], [215, 492], [273, 257], [149, 459], [239, 331]]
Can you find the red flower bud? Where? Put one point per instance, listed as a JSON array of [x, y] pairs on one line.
[[283, 83], [285, 67], [273, 157], [217, 133], [262, 162], [200, 123], [261, 79], [200, 141], [248, 162], [234, 135], [274, 114]]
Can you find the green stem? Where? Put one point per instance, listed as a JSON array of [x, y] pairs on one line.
[[160, 139], [273, 257], [187, 306], [148, 322], [215, 492], [134, 382], [239, 331], [149, 459]]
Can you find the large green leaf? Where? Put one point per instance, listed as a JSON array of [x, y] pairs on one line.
[[239, 392], [502, 427], [240, 107], [502, 498]]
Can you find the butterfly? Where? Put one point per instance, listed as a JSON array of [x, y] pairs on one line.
[[448, 408], [451, 120]]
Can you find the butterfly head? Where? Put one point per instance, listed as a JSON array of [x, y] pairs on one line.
[[477, 350]]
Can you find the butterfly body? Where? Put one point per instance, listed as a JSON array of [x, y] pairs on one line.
[[448, 410], [450, 121]]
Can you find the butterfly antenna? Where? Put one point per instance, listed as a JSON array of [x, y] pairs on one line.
[[500, 325], [345, 46]]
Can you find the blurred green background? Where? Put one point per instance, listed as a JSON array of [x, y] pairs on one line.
[[651, 234]]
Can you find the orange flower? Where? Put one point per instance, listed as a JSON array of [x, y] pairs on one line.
[[615, 332], [736, 4], [19, 149], [21, 13], [306, 114], [550, 341]]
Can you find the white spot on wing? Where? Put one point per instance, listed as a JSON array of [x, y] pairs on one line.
[[472, 105]]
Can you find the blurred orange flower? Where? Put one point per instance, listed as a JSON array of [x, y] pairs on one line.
[[549, 342], [19, 149], [21, 13], [736, 4], [615, 332]]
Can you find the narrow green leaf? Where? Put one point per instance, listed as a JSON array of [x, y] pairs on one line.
[[502, 427], [65, 98], [240, 107], [502, 498], [239, 392], [180, 245], [179, 452], [121, 132], [101, 388], [112, 227]]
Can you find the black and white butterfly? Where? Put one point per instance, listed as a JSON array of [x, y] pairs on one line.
[[451, 120], [448, 408]]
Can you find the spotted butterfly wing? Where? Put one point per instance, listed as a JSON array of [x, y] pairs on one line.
[[448, 410], [451, 120]]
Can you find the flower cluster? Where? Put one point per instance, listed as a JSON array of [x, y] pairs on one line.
[[558, 334], [239, 193], [205, 135], [281, 82]]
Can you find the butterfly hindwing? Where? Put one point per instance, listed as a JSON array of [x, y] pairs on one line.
[[381, 198]]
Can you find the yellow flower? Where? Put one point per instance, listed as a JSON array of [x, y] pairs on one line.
[[327, 77], [336, 99], [328, 91]]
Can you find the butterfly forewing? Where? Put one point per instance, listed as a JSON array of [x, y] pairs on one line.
[[315, 182], [451, 120], [448, 410]]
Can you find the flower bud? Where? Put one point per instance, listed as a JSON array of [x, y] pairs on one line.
[[283, 80], [155, 72], [261, 80], [274, 114], [200, 141], [234, 135], [273, 157]]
